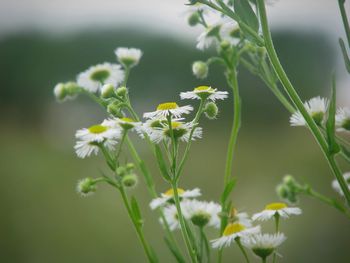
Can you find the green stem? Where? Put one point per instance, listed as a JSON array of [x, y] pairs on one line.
[[139, 231], [238, 241], [126, 76], [232, 79], [152, 190], [326, 200], [263, 260], [185, 235], [206, 243], [277, 222], [188, 146], [297, 101]]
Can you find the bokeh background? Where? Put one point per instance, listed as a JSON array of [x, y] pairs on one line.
[[44, 42]]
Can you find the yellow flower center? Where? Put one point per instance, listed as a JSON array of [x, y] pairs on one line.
[[175, 124], [97, 129], [275, 206], [170, 192], [233, 228], [204, 88], [127, 119], [167, 106]]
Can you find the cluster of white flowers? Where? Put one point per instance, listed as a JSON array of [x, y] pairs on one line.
[[317, 108], [218, 27], [241, 230]]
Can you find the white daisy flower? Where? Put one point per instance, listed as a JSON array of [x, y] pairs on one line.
[[242, 218], [232, 232], [169, 195], [181, 131], [208, 37], [90, 138], [164, 109], [336, 185], [171, 217], [124, 123], [317, 109], [129, 57], [342, 119], [203, 93], [273, 209], [96, 76], [263, 245], [202, 213], [228, 31]]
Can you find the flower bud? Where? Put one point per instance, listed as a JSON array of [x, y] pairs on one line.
[[211, 110], [107, 91], [193, 19], [65, 91], [129, 180], [122, 91], [86, 186], [225, 45], [200, 219], [121, 171], [200, 69], [290, 182], [282, 191], [130, 167], [114, 109]]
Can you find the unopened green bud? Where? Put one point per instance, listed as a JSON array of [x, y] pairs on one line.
[[122, 91], [65, 91], [86, 186], [290, 182], [193, 19], [200, 219], [211, 110], [225, 45], [200, 69], [107, 91], [129, 180], [114, 109], [121, 171], [130, 166], [282, 191]]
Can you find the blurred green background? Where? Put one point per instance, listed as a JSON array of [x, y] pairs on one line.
[[44, 220]]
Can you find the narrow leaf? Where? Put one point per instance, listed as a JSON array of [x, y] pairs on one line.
[[228, 189], [136, 210], [246, 13], [161, 163], [330, 125]]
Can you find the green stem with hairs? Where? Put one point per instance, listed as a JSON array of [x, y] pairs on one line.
[[297, 101]]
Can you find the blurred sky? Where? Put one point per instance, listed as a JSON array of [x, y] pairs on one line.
[[68, 16]]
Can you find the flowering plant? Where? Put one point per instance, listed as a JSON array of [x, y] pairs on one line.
[[239, 31]]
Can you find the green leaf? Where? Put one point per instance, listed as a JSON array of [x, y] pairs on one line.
[[228, 189], [174, 251], [246, 13], [330, 125], [161, 164], [136, 211]]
